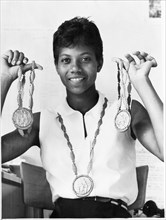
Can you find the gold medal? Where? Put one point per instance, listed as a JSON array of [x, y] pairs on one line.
[[122, 120], [123, 117], [83, 185], [22, 118]]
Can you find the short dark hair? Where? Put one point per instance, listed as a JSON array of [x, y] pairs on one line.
[[77, 31]]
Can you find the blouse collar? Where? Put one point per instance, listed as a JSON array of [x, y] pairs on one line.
[[65, 110]]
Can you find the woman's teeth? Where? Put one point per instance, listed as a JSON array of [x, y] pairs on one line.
[[76, 79]]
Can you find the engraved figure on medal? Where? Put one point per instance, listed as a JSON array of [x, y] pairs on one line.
[[83, 185], [122, 120], [22, 118]]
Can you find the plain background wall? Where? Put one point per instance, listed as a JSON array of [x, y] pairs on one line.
[[125, 26]]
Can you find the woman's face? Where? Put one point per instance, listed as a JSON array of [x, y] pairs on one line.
[[77, 67]]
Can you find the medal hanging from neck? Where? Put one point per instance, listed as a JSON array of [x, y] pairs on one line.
[[123, 116], [83, 184], [23, 117]]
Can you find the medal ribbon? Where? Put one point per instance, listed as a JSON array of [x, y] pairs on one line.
[[72, 155], [122, 78], [21, 84], [123, 116]]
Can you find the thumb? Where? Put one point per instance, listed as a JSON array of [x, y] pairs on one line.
[[152, 60], [31, 66]]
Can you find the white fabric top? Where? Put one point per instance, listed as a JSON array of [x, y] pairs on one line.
[[113, 172]]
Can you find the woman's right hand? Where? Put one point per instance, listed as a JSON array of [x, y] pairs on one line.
[[11, 61]]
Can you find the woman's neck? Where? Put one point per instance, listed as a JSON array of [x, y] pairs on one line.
[[83, 102]]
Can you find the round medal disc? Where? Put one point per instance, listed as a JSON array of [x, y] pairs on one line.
[[83, 185], [122, 120], [22, 118]]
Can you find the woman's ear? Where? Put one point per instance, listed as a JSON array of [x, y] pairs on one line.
[[56, 66], [100, 64]]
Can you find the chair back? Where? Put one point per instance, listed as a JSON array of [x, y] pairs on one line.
[[36, 189]]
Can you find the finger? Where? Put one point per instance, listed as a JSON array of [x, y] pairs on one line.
[[20, 58], [31, 66], [25, 60], [151, 59], [130, 59], [144, 54], [37, 66], [139, 56], [8, 56], [15, 57]]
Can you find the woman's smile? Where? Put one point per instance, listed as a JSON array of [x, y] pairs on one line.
[[76, 80]]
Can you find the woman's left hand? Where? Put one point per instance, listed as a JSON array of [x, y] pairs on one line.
[[139, 69], [138, 65]]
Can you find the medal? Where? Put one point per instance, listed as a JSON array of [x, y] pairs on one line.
[[83, 185], [23, 117], [123, 117], [122, 120]]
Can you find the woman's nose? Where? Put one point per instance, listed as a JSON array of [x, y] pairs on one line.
[[76, 68]]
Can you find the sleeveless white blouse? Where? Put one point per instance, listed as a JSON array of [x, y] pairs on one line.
[[114, 162]]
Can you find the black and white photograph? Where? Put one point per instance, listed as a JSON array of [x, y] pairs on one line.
[[82, 109]]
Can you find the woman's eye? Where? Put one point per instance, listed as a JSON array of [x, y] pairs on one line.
[[86, 59], [65, 60]]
